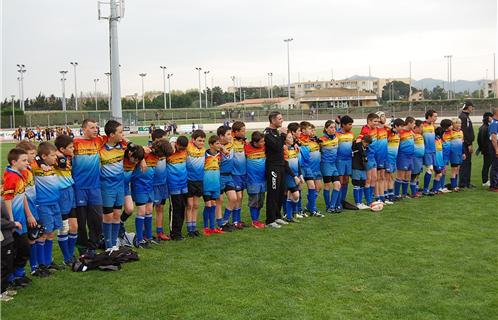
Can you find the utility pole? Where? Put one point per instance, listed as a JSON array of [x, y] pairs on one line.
[[75, 64], [288, 66], [22, 70], [116, 13], [169, 88], [63, 81], [234, 88], [108, 75], [206, 86], [200, 92], [13, 112], [163, 68]]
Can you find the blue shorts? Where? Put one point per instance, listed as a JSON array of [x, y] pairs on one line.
[[359, 174], [390, 166], [88, 197], [112, 197], [418, 165], [240, 182], [456, 159], [256, 188], [328, 169], [404, 162], [429, 159], [226, 183], [160, 193], [142, 198], [307, 172], [371, 164], [211, 195], [290, 183], [344, 167], [381, 160], [178, 190], [67, 200], [50, 216]]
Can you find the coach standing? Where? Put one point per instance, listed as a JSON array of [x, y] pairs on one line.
[[468, 139], [275, 170]]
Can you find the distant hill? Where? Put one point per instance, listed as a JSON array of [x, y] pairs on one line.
[[460, 85], [358, 77]]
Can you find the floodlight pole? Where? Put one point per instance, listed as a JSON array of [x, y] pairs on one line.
[[13, 112], [21, 69], [96, 101], [108, 75], [200, 92], [63, 80], [288, 65], [169, 88], [75, 64], [206, 86], [20, 92], [234, 89], [142, 75], [163, 68]]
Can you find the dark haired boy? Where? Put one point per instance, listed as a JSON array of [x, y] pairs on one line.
[[428, 132], [195, 175], [360, 165], [211, 185], [239, 169], [256, 175], [344, 158], [370, 129], [160, 186]]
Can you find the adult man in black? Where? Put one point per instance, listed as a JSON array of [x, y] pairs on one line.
[[275, 170], [468, 139]]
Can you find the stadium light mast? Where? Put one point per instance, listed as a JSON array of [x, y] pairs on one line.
[[200, 92], [115, 14], [20, 92], [75, 64], [169, 88], [142, 75], [108, 75], [13, 112], [96, 99], [163, 68], [63, 81], [22, 70], [206, 86], [288, 66], [234, 89]]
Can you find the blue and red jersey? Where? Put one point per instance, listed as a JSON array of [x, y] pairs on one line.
[[177, 170], [227, 159], [142, 181], [14, 189], [329, 147], [111, 165], [345, 146], [428, 132], [393, 141], [195, 162], [86, 162], [406, 142], [212, 177], [239, 156], [419, 146], [256, 161], [48, 185], [372, 132]]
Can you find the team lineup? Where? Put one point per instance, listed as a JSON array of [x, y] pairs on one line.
[[84, 189]]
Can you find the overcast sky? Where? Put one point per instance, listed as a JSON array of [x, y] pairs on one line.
[[245, 39]]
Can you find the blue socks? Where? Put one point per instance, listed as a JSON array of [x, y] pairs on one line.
[[226, 215], [148, 226], [413, 187], [139, 228], [48, 252], [220, 222], [212, 213], [435, 185], [326, 197], [335, 197], [397, 187], [191, 226], [254, 214], [205, 216], [390, 194], [344, 192], [357, 194], [115, 233], [107, 234], [40, 252], [236, 214], [453, 182], [62, 239], [368, 195], [427, 182], [288, 209], [312, 195], [404, 187], [71, 243], [33, 258]]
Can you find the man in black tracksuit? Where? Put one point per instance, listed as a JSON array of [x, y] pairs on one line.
[[468, 139], [275, 170]]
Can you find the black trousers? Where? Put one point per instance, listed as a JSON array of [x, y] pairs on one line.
[[275, 186], [22, 250], [493, 176], [465, 169], [7, 265], [178, 204], [89, 216], [486, 165]]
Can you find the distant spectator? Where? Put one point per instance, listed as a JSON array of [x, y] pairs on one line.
[[483, 147]]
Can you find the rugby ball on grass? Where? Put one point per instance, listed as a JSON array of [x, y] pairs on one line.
[[377, 206]]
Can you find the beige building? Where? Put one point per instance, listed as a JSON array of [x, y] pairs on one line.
[[490, 88], [279, 103], [338, 98], [374, 86]]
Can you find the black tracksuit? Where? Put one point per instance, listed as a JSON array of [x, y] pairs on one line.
[[275, 173], [468, 139], [483, 143]]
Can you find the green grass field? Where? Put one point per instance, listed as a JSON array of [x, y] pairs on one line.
[[429, 258]]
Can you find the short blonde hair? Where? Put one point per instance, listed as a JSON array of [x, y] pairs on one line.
[[456, 120]]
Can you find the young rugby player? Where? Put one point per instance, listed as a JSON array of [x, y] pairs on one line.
[[370, 129], [293, 178], [405, 158], [359, 165], [328, 147], [393, 140], [457, 154], [227, 184], [211, 185], [344, 158], [160, 186], [195, 175], [428, 132], [256, 176], [418, 158], [239, 169]]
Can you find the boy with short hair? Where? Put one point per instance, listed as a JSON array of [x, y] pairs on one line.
[[256, 176], [370, 129], [310, 155], [295, 130], [439, 165], [68, 234], [428, 132], [404, 162], [227, 184], [392, 155], [293, 179], [239, 175], [447, 128], [328, 147], [160, 188], [14, 199], [211, 185], [48, 187], [381, 159], [344, 158], [457, 154], [111, 180], [195, 175], [359, 165], [418, 158], [177, 184]]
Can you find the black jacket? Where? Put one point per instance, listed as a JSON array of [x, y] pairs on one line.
[[274, 147], [483, 140], [8, 226], [467, 128], [359, 156]]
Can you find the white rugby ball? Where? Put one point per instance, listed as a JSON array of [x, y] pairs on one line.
[[377, 206]]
